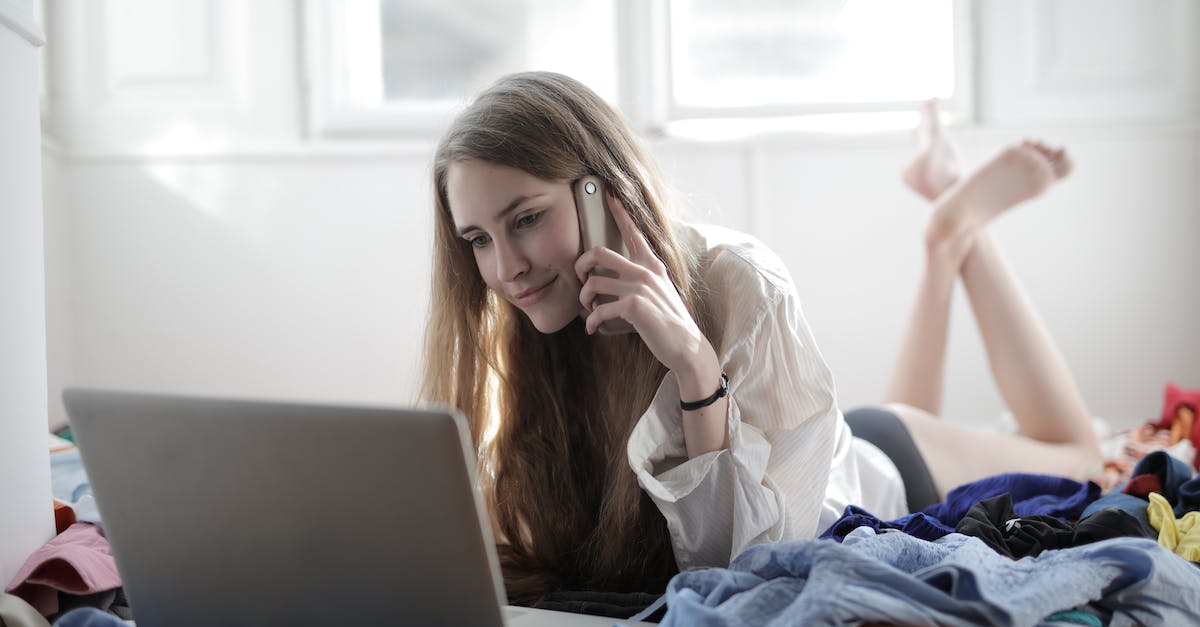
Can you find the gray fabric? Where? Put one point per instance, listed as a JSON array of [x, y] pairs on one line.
[[884, 429]]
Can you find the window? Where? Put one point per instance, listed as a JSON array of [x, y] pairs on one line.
[[407, 66], [818, 55]]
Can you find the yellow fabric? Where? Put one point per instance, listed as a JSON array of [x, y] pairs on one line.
[[1181, 536], [1163, 519], [1189, 537]]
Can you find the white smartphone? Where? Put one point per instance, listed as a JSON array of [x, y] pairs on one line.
[[598, 228]]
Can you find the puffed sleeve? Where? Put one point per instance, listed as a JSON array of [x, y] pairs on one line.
[[783, 424]]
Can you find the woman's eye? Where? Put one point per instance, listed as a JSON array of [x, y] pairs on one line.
[[529, 219], [479, 241]]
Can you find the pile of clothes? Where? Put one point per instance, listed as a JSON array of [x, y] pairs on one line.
[[1013, 549]]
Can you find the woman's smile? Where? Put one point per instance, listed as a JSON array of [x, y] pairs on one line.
[[533, 295]]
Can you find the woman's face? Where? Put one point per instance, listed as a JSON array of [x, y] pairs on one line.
[[524, 232]]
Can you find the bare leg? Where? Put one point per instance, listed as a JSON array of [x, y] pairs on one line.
[[917, 377], [1032, 375], [918, 373]]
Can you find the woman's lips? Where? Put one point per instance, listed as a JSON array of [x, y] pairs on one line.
[[533, 296]]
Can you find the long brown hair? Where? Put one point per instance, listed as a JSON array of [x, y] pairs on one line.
[[550, 414]]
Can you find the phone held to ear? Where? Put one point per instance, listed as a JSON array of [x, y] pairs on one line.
[[598, 228]]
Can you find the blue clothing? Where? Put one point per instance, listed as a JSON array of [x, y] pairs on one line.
[[1187, 497], [1180, 488], [68, 479], [1171, 472], [1128, 503], [896, 578], [1075, 617], [1031, 495], [89, 617], [69, 484], [918, 525]]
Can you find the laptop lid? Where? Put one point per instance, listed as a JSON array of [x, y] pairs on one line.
[[238, 512]]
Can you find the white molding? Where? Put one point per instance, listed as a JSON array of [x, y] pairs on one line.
[[1106, 73], [19, 18], [1052, 73], [1068, 134], [643, 63], [965, 105], [233, 86], [223, 84], [250, 152], [423, 149]]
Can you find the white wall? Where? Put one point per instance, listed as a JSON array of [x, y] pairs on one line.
[[216, 249], [27, 521]]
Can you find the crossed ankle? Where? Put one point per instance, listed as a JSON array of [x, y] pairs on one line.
[[946, 247]]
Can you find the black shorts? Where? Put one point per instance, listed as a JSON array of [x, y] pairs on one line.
[[885, 430]]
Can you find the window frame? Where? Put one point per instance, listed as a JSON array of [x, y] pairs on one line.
[[334, 104], [644, 80]]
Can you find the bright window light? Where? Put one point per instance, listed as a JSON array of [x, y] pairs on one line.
[[772, 53], [442, 51]]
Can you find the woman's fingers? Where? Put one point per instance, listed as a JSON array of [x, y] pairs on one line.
[[635, 242], [597, 285], [625, 308], [608, 259]]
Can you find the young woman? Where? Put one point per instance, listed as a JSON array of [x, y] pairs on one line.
[[610, 462]]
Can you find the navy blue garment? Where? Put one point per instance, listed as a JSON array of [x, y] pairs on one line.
[[1187, 497], [1171, 472], [1031, 494], [917, 525], [89, 617], [1180, 488]]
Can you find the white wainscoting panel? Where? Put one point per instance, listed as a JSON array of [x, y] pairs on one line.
[[186, 76], [1088, 60]]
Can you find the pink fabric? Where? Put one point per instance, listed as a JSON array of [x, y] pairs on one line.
[[76, 561]]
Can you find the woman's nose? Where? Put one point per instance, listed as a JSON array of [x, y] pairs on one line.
[[511, 261]]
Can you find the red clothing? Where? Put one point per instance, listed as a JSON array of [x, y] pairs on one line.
[[1174, 398]]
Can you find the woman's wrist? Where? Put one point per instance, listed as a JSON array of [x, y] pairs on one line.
[[701, 378], [705, 404]]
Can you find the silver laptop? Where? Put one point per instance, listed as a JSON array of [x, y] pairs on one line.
[[236, 512]]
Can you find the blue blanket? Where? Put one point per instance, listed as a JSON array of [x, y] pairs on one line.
[[894, 577]]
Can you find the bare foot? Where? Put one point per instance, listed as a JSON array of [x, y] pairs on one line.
[[937, 165], [1018, 173]]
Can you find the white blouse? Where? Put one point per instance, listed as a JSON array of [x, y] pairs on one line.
[[792, 465]]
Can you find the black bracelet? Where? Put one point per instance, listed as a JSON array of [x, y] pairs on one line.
[[701, 404]]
